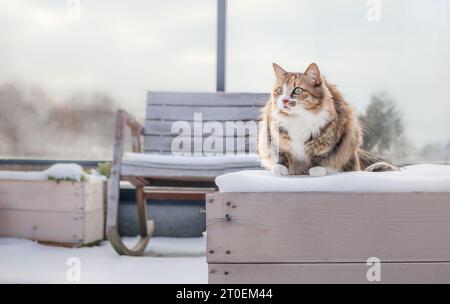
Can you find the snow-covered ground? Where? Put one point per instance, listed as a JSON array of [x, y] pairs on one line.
[[169, 260]]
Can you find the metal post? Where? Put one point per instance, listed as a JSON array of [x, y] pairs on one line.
[[221, 31]]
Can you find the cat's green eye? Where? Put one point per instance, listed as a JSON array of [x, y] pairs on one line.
[[298, 91], [279, 91]]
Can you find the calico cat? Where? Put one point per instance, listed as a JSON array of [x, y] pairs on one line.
[[308, 128]]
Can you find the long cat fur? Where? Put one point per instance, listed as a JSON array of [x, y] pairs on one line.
[[316, 129]]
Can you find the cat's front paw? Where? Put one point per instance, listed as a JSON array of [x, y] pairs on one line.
[[280, 170], [317, 171]]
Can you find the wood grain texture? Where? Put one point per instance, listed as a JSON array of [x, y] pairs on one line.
[[209, 113], [94, 226], [52, 212], [206, 99], [164, 173], [94, 196], [355, 273], [63, 227], [220, 145], [163, 109], [164, 128], [328, 227], [48, 195]]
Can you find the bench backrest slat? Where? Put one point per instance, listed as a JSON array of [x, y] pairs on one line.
[[164, 108]]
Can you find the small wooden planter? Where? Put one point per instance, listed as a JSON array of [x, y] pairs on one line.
[[66, 213], [328, 237]]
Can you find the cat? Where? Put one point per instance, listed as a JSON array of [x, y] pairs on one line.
[[308, 128]]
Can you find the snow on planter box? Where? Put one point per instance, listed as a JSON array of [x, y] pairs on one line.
[[61, 205], [263, 228]]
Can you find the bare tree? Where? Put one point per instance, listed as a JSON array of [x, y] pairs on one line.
[[33, 125]]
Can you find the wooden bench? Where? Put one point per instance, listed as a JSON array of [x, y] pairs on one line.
[[301, 237], [152, 169]]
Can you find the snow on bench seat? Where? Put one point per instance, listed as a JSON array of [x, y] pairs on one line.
[[415, 178], [138, 164]]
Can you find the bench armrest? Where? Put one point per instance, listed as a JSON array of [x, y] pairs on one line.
[[136, 129], [125, 119]]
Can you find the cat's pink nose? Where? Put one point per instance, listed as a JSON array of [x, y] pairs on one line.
[[285, 101]]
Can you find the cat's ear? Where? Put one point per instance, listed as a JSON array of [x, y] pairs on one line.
[[314, 72], [279, 72]]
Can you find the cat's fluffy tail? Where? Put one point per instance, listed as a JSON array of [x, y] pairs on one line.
[[372, 163]]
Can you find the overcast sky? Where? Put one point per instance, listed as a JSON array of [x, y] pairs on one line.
[[124, 48]]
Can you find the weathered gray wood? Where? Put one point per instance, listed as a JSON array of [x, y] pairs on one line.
[[112, 231], [328, 227], [48, 195], [208, 113], [164, 128], [199, 174], [65, 212], [94, 226], [163, 109], [94, 195], [177, 193], [62, 227], [142, 211], [328, 273], [163, 144], [165, 173], [206, 99]]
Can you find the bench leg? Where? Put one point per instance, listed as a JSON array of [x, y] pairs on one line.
[[146, 227]]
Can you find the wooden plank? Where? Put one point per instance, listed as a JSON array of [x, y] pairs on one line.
[[186, 113], [177, 193], [63, 227], [206, 99], [164, 128], [169, 182], [164, 173], [128, 171], [176, 196], [165, 189], [164, 144], [49, 195], [328, 227], [330, 273], [94, 226], [93, 196]]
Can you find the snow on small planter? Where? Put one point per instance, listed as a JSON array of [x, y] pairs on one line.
[[62, 205]]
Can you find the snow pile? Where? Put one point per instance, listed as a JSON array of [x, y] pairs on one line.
[[170, 260], [72, 172], [417, 178], [65, 171], [168, 161]]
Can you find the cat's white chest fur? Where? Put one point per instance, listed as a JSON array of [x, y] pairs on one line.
[[300, 125]]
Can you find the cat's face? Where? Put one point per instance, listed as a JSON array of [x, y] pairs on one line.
[[294, 92]]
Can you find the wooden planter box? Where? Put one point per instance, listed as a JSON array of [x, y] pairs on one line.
[[65, 213], [328, 237]]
